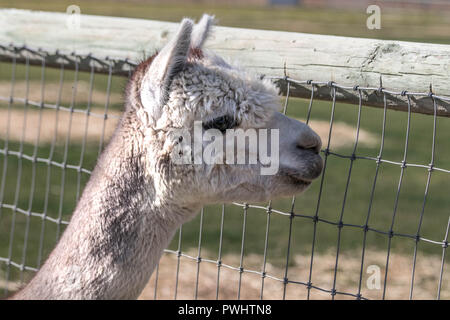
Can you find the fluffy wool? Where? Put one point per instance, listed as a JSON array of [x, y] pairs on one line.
[[137, 196]]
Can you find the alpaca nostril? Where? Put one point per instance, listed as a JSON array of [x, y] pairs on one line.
[[313, 146], [310, 141]]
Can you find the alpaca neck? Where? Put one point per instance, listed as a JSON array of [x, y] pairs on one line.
[[116, 236]]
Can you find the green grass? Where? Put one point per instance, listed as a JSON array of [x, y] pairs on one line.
[[408, 212]]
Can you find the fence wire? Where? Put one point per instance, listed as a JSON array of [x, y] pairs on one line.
[[14, 267]]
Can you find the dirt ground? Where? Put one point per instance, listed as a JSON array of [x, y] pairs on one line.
[[49, 122], [33, 91], [45, 125], [343, 134], [347, 280]]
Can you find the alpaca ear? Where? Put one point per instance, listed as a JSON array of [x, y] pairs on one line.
[[166, 65], [202, 31]]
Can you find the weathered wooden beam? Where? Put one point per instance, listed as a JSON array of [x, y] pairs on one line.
[[403, 66], [373, 97]]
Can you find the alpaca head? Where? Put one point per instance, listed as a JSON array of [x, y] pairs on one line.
[[189, 102]]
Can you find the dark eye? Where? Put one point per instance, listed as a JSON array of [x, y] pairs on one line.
[[220, 123]]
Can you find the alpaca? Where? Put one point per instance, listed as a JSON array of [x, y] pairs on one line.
[[137, 196]]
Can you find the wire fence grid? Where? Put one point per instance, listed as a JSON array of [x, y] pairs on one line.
[[15, 259]]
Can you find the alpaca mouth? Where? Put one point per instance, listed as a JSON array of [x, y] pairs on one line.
[[295, 177], [303, 176], [298, 181]]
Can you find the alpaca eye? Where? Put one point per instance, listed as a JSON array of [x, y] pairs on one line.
[[221, 123]]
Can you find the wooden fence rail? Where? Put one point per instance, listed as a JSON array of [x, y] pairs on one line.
[[402, 66]]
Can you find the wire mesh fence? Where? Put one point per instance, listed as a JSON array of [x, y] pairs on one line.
[[381, 203]]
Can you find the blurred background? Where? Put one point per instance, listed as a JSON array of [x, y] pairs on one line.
[[417, 20]]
